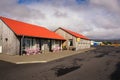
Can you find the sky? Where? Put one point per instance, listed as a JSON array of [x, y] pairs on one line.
[[96, 19]]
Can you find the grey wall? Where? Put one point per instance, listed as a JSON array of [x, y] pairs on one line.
[[10, 43]]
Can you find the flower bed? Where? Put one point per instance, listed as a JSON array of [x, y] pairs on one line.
[[32, 51], [56, 49]]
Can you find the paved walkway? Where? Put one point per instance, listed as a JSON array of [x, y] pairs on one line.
[[39, 58]]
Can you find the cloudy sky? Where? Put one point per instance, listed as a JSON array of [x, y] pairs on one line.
[[97, 19]]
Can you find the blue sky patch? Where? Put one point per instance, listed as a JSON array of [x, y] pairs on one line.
[[82, 1], [28, 1]]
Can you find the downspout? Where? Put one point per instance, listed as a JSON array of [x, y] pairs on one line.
[[61, 45], [21, 50]]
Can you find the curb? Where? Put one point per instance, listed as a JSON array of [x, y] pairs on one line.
[[27, 62]]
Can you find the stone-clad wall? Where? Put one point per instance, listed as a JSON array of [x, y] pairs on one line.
[[10, 43], [82, 44]]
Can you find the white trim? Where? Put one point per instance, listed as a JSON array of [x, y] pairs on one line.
[[31, 62]]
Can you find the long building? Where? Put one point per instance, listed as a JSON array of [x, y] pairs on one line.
[[17, 37]]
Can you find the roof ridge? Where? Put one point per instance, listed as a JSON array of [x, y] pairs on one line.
[[22, 22], [0, 17]]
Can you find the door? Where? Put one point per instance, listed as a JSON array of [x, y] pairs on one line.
[[45, 45]]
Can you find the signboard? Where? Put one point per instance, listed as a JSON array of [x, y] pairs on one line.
[[78, 39]]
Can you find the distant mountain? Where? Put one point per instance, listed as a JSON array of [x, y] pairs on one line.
[[113, 41]]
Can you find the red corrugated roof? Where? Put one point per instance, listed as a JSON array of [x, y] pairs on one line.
[[75, 34], [25, 29]]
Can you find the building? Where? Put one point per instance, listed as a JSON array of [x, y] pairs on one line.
[[18, 37], [74, 40], [96, 43]]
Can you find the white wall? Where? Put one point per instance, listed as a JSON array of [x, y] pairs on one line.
[[0, 36], [83, 44]]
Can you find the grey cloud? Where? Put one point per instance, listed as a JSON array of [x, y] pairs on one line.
[[34, 13], [60, 2], [110, 4], [20, 12], [96, 19], [12, 9], [60, 14]]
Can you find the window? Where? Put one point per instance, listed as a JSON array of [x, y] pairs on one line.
[[27, 42], [6, 39], [71, 42]]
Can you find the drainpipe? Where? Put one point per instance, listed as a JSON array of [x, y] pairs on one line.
[[21, 52], [61, 45]]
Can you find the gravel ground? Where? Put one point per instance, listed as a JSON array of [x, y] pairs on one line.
[[103, 63]]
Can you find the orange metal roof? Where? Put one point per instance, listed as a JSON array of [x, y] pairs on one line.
[[75, 34], [25, 29]]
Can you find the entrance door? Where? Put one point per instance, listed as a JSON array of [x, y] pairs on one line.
[[45, 45]]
